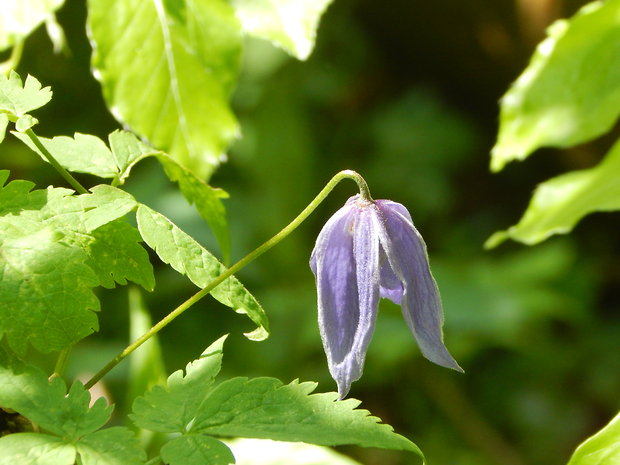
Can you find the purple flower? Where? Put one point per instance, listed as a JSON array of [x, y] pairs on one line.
[[367, 250]]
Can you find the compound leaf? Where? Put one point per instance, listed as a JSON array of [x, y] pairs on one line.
[[265, 408], [170, 74], [570, 92], [45, 281], [289, 24], [170, 408], [601, 449], [196, 449], [17, 99], [82, 153], [115, 255], [26, 389], [185, 255], [558, 204]]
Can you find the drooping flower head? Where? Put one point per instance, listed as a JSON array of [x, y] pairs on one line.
[[368, 250]]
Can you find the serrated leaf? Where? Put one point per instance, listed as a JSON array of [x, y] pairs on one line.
[[601, 449], [17, 100], [115, 255], [265, 408], [35, 449], [289, 24], [206, 198], [20, 17], [570, 92], [170, 408], [26, 389], [127, 150], [46, 292], [111, 446], [558, 204], [170, 74], [188, 257], [45, 283], [81, 153], [195, 449]]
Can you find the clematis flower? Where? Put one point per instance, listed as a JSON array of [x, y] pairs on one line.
[[368, 250]]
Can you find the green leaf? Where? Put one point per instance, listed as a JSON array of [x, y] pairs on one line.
[[601, 449], [188, 257], [25, 122], [558, 204], [67, 417], [570, 92], [265, 408], [289, 24], [81, 153], [20, 17], [206, 198], [127, 150], [170, 408], [45, 281], [111, 446], [16, 100], [4, 122], [46, 292], [176, 94], [115, 255], [26, 389], [35, 449], [196, 449]]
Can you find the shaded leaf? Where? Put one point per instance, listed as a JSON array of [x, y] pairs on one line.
[[570, 92], [558, 204], [196, 449], [169, 75], [289, 24], [265, 408], [172, 407], [188, 257]]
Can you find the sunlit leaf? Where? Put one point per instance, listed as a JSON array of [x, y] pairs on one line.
[[265, 408], [20, 17], [170, 73], [570, 92], [289, 24], [196, 449], [601, 449], [16, 100], [35, 449], [172, 407], [558, 204], [185, 255]]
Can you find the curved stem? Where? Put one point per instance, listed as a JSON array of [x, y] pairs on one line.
[[49, 157], [61, 362], [346, 174]]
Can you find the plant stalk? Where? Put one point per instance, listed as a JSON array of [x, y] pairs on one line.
[[346, 174]]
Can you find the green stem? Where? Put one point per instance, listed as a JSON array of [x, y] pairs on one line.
[[48, 156], [61, 362], [16, 54], [346, 174]]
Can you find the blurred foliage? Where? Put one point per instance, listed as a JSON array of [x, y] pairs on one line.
[[406, 95]]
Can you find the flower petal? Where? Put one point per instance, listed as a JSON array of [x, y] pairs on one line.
[[345, 262], [420, 303]]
